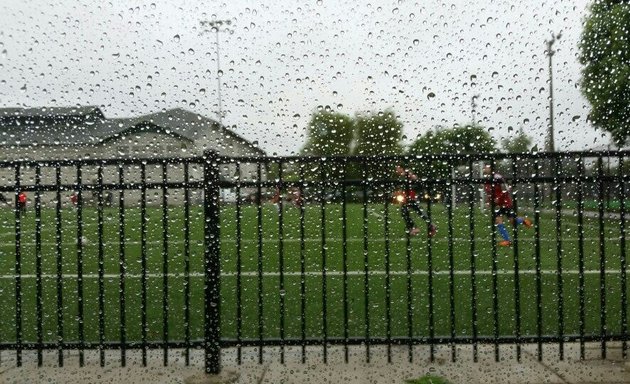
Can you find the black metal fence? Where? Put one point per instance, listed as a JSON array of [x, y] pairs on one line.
[[217, 252]]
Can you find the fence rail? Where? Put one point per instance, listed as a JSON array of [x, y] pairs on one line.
[[217, 252]]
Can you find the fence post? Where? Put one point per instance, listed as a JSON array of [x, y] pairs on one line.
[[211, 263]]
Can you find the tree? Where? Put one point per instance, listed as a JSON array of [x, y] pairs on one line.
[[461, 139], [520, 143], [378, 134], [329, 134], [605, 54]]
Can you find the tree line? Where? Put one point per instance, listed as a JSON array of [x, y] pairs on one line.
[[331, 133]]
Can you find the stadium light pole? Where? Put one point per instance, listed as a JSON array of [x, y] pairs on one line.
[[473, 106], [550, 52], [217, 26], [550, 135]]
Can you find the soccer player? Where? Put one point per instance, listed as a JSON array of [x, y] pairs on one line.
[[409, 202], [22, 202], [499, 192]]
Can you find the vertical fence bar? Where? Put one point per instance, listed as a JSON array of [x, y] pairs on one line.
[[187, 261], [451, 259], [239, 262], [165, 236], [430, 279], [559, 282], [344, 236], [517, 279], [122, 267], [602, 255], [143, 258], [495, 290], [101, 267], [281, 261], [581, 175], [59, 260], [473, 257], [38, 263], [302, 268], [409, 275], [80, 241], [388, 281], [366, 260], [18, 267], [322, 195], [212, 264], [537, 258], [622, 256], [260, 262]]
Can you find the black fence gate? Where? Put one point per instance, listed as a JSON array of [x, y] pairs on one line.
[[220, 252]]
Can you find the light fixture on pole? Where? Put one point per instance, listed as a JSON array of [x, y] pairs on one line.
[[550, 52], [217, 26], [473, 105]]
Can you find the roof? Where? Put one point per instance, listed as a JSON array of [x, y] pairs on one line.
[[72, 126]]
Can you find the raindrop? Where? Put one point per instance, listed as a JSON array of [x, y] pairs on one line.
[[176, 38], [430, 95]]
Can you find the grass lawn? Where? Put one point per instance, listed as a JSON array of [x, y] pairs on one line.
[[355, 287]]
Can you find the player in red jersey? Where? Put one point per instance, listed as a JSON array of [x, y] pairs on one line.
[[498, 191], [409, 202], [22, 202]]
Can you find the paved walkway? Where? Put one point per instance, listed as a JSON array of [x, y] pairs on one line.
[[463, 370]]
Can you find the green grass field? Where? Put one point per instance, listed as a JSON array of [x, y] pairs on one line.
[[371, 256]]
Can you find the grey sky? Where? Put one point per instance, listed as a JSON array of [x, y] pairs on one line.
[[284, 59]]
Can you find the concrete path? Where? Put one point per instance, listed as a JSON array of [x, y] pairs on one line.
[[529, 370]]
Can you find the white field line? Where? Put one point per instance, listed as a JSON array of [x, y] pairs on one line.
[[93, 243], [317, 274]]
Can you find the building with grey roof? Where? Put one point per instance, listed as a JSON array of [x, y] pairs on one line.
[[86, 133], [79, 132]]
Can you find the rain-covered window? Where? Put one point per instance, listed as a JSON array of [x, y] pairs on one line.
[[214, 184]]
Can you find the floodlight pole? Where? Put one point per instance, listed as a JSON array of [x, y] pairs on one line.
[[473, 105], [215, 26], [550, 136], [550, 52]]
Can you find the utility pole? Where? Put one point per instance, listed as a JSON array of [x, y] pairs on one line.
[[473, 106], [550, 52], [550, 136], [217, 26]]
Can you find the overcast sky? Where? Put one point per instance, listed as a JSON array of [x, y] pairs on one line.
[[283, 59]]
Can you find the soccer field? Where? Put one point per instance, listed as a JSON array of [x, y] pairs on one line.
[[354, 288]]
